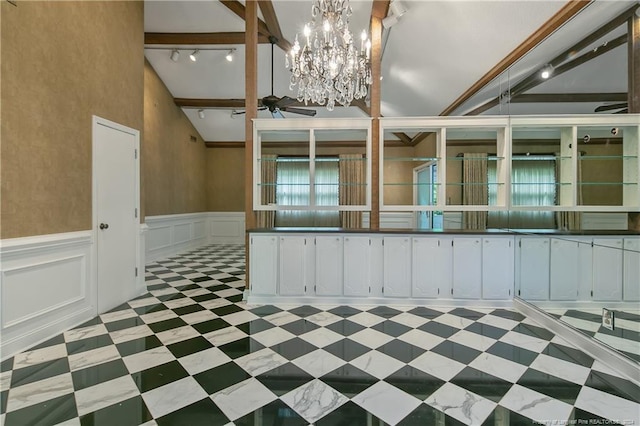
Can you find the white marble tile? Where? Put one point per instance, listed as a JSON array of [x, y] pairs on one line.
[[367, 319], [604, 368], [228, 292], [377, 364], [387, 402], [560, 368], [138, 303], [164, 291], [473, 340], [5, 380], [203, 360], [165, 314], [40, 391], [437, 365], [105, 394], [627, 325], [243, 398], [314, 400], [535, 405], [179, 303], [421, 339], [71, 422], [324, 318], [199, 316], [84, 332], [503, 323], [177, 334], [524, 341], [409, 320], [131, 333], [225, 335], [624, 345], [454, 321], [461, 404], [608, 406], [29, 358], [215, 303], [319, 362], [118, 315], [499, 367], [240, 317], [173, 396], [196, 292], [321, 337], [582, 324], [93, 357], [147, 359], [261, 361], [273, 336], [281, 318], [370, 338]]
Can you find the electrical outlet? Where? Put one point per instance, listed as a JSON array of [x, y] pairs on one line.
[[608, 318]]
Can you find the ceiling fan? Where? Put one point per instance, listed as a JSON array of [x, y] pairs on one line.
[[619, 108], [275, 104]]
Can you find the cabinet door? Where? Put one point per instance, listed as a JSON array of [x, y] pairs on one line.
[[292, 266], [432, 267], [467, 268], [356, 266], [329, 265], [264, 264], [534, 268], [631, 262], [564, 270], [397, 266], [497, 268], [607, 268], [376, 266]]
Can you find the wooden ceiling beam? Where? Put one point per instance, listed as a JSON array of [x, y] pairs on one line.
[[633, 58], [178, 39], [568, 97], [380, 8], [567, 12], [271, 20], [209, 103], [238, 8]]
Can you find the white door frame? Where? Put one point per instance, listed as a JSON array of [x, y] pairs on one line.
[[97, 121]]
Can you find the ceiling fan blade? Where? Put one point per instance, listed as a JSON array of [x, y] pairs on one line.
[[611, 107], [240, 112], [285, 101], [308, 112], [277, 114]]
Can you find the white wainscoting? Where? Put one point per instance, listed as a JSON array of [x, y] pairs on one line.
[[608, 221], [46, 287], [226, 228]]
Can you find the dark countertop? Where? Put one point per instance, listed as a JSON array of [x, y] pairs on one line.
[[550, 232]]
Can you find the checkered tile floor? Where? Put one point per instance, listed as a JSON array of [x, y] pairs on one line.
[[190, 352], [625, 337]]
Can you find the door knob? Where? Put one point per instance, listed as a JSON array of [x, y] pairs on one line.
[[104, 226]]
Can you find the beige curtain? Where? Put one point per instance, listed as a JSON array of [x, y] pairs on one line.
[[352, 189], [570, 221], [268, 164], [475, 189]]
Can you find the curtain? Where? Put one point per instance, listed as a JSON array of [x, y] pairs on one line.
[[326, 190], [352, 188], [268, 166], [570, 221], [475, 189]]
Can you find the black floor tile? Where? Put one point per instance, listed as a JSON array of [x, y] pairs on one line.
[[3, 401], [173, 296], [391, 328], [159, 375], [424, 312], [159, 286], [507, 314], [266, 310], [345, 327], [203, 412], [241, 347], [613, 385], [400, 350], [587, 316], [255, 326], [456, 351], [205, 297], [621, 333], [150, 309], [229, 279], [629, 316], [235, 298], [426, 415], [586, 418], [513, 353], [467, 313], [486, 330], [482, 384], [165, 325], [345, 311], [92, 321], [189, 309], [130, 412], [124, 323], [101, 373], [533, 331], [568, 354], [89, 344], [221, 377], [384, 311], [347, 349], [218, 287], [299, 327], [504, 416], [349, 380], [549, 385], [59, 339], [415, 382], [51, 412], [172, 279], [6, 365], [439, 329], [276, 413], [304, 311], [189, 346], [119, 308], [211, 325], [293, 348], [284, 378], [41, 371], [348, 414], [138, 345], [226, 310]]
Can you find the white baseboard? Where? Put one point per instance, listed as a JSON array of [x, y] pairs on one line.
[[226, 228], [46, 287]]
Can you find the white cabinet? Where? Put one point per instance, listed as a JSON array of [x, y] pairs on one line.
[[328, 265], [264, 264], [356, 265], [376, 265], [607, 268], [432, 267], [564, 269], [533, 274], [497, 267], [631, 263], [397, 266], [467, 268], [292, 265]]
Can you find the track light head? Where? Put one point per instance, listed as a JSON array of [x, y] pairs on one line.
[[389, 21], [546, 72], [229, 56], [194, 55], [201, 113], [397, 8], [175, 55]]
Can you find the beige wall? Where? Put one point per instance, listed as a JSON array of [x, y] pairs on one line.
[[61, 63], [225, 179], [174, 169]]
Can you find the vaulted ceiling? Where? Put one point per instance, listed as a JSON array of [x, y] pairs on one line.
[[434, 54]]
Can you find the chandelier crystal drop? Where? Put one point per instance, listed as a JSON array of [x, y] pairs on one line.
[[328, 66]]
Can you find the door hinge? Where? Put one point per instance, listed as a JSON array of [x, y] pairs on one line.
[[136, 212], [136, 271], [135, 154]]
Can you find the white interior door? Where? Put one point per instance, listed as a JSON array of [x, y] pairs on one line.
[[115, 175]]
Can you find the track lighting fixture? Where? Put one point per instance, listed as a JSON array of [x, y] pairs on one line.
[[194, 55], [229, 56], [175, 52], [546, 72], [396, 10], [201, 113], [175, 55]]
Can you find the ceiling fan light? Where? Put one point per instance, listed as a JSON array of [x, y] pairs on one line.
[[194, 55], [175, 55]]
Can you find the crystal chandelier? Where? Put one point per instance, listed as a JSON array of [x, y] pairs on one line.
[[330, 67]]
